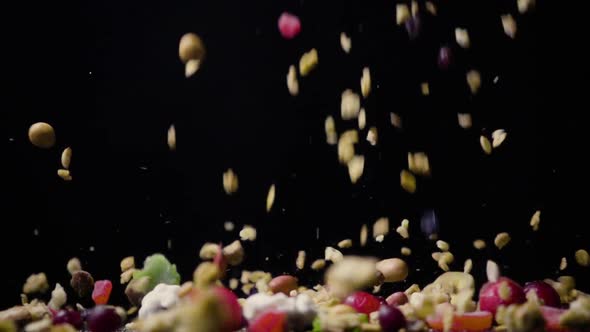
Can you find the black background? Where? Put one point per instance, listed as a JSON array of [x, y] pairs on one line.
[[108, 78]]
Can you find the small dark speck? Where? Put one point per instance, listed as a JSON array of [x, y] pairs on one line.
[[484, 205], [360, 27], [554, 171], [258, 32], [310, 140]]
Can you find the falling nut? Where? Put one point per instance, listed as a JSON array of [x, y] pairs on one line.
[[431, 8], [292, 83], [425, 88], [408, 181], [347, 243], [486, 146], [501, 240], [509, 25], [64, 174], [171, 138], [402, 13], [467, 266], [442, 245], [318, 264], [330, 129], [582, 258], [464, 119], [535, 220], [230, 182], [492, 271], [362, 119], [393, 269], [406, 251], [372, 136], [308, 62], [479, 244], [462, 37], [345, 42], [525, 5], [283, 284], [300, 261], [66, 158], [366, 82], [270, 198], [381, 227], [364, 235], [74, 265], [36, 283], [248, 233], [355, 168], [191, 67], [473, 80], [563, 264], [127, 263], [234, 253], [333, 255], [498, 137], [395, 120], [82, 283], [208, 250], [42, 135], [191, 47], [350, 105]]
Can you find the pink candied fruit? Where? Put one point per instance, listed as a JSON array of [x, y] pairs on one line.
[[289, 25], [102, 291], [363, 302], [270, 321]]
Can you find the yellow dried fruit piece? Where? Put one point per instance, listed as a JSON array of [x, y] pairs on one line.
[[356, 167], [467, 266], [501, 240], [318, 264], [509, 25], [346, 243], [465, 120], [345, 42], [308, 62], [300, 261], [292, 83], [366, 82], [364, 235], [498, 137], [42, 135], [462, 37], [350, 105], [486, 146], [171, 139], [66, 158], [473, 78], [582, 258], [270, 197], [230, 182], [408, 181], [406, 251], [425, 88], [248, 233], [479, 244], [402, 13]]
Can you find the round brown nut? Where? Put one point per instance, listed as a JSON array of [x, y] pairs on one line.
[[137, 289], [190, 47], [397, 298], [283, 284], [42, 135], [393, 269], [82, 282]]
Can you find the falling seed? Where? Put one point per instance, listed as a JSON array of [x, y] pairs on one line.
[[498, 136], [395, 120], [479, 244], [233, 283], [345, 42], [64, 174], [172, 138], [330, 129], [403, 232], [42, 135], [355, 168], [346, 243], [525, 5], [362, 119], [364, 235], [509, 25], [366, 82], [536, 220], [492, 271], [191, 67], [501, 240], [431, 8], [473, 80], [406, 251], [442, 245], [270, 198], [379, 238], [292, 83], [485, 144], [372, 136], [462, 37], [308, 62], [66, 158], [402, 13], [228, 226], [468, 266], [191, 48], [418, 163], [230, 182], [346, 145], [300, 261], [350, 105], [318, 264], [408, 181], [381, 227], [414, 6], [425, 88], [464, 120], [333, 255], [248, 233], [563, 264], [582, 258]]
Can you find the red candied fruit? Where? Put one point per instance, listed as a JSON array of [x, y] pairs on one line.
[[102, 291], [289, 25], [270, 321], [363, 302]]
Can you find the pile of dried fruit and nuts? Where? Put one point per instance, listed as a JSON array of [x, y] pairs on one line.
[[159, 302]]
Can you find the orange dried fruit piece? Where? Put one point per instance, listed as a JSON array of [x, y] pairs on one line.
[[469, 321]]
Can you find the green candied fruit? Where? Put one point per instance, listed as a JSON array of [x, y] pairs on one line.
[[159, 270], [363, 318], [317, 325]]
